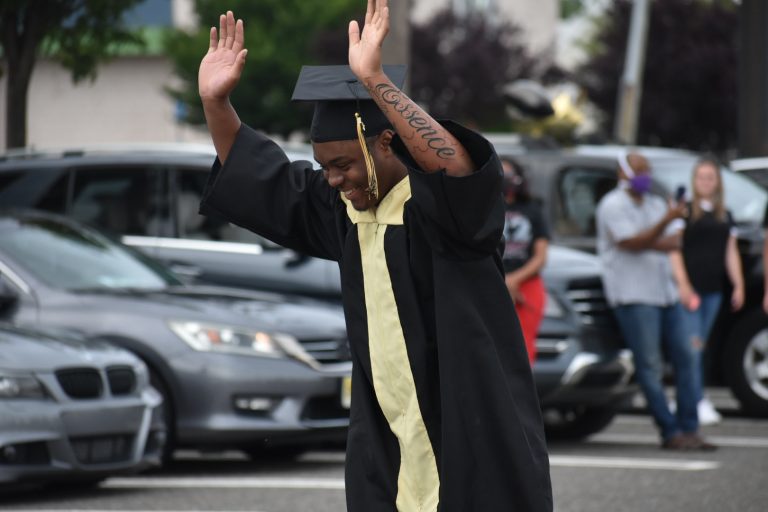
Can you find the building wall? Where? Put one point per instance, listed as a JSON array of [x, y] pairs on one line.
[[126, 103], [538, 18]]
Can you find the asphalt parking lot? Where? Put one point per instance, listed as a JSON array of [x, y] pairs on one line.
[[620, 469]]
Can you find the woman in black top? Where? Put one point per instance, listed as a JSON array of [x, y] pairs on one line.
[[526, 240], [708, 258]]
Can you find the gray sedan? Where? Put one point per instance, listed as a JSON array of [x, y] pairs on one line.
[[73, 408], [238, 369]]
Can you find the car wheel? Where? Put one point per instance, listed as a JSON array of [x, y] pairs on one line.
[[577, 421], [168, 416], [746, 364]]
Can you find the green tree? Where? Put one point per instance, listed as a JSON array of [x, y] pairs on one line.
[[689, 94], [281, 36], [77, 33]]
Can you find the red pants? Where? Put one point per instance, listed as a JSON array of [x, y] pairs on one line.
[[530, 311]]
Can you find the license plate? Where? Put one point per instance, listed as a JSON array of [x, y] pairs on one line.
[[346, 392]]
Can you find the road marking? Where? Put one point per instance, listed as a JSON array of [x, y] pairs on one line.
[[730, 441], [224, 483], [337, 484], [568, 461]]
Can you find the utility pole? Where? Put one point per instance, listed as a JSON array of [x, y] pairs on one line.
[[753, 79], [631, 86], [397, 46]]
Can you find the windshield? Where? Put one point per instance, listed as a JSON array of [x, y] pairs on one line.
[[73, 259], [743, 197]]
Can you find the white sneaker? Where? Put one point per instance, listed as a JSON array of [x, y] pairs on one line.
[[707, 413]]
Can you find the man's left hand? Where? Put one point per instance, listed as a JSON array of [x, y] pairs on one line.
[[365, 48]]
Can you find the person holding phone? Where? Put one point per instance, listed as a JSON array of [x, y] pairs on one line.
[[635, 234], [709, 258]]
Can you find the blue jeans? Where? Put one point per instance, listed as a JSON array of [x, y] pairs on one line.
[[699, 326], [646, 330]]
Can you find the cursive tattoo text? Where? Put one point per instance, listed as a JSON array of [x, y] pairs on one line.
[[389, 97]]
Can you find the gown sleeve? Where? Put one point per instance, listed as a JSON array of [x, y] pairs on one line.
[[259, 189], [463, 216]]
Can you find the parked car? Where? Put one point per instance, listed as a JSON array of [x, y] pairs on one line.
[[571, 182], [72, 408], [754, 167], [150, 197], [235, 368]]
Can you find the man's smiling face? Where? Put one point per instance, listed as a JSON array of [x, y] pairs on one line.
[[344, 168]]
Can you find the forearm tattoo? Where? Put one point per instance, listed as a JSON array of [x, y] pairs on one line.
[[389, 97]]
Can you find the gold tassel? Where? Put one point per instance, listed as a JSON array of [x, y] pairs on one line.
[[373, 185]]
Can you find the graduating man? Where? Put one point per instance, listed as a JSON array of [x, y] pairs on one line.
[[444, 412]]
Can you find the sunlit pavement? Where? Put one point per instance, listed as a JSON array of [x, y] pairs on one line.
[[620, 469]]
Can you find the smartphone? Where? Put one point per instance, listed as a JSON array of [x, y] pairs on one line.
[[680, 193]]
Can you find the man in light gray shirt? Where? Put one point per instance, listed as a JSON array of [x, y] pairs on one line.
[[635, 232]]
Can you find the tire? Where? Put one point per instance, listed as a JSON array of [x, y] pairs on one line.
[[746, 364], [576, 422], [168, 414]]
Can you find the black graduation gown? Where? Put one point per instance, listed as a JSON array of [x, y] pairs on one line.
[[444, 413]]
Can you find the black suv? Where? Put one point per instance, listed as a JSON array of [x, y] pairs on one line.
[[572, 182], [150, 196]]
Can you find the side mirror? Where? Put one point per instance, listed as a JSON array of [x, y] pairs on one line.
[[529, 98]]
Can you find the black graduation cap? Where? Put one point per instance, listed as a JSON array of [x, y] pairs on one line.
[[338, 95], [343, 108]]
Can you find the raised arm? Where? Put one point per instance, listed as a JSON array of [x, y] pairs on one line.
[[217, 77], [431, 145], [654, 238]]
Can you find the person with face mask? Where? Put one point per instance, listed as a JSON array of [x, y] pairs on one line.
[[635, 232], [526, 240]]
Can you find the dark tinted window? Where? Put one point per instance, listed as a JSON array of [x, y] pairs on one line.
[[43, 189], [580, 192], [123, 201], [760, 176], [190, 185]]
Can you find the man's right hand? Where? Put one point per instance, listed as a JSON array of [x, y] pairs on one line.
[[677, 211], [222, 66]]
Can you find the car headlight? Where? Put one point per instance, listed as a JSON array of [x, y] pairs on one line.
[[208, 337], [20, 386], [552, 307]]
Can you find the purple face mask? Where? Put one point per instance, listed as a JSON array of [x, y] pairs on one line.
[[641, 183]]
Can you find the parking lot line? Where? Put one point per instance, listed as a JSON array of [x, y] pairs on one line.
[[224, 483], [631, 463], [730, 441], [337, 484]]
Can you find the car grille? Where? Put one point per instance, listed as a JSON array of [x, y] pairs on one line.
[[122, 380], [82, 383], [328, 351], [588, 300], [324, 408], [32, 454], [102, 449]]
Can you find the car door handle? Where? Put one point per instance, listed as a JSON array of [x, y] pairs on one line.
[[186, 271]]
